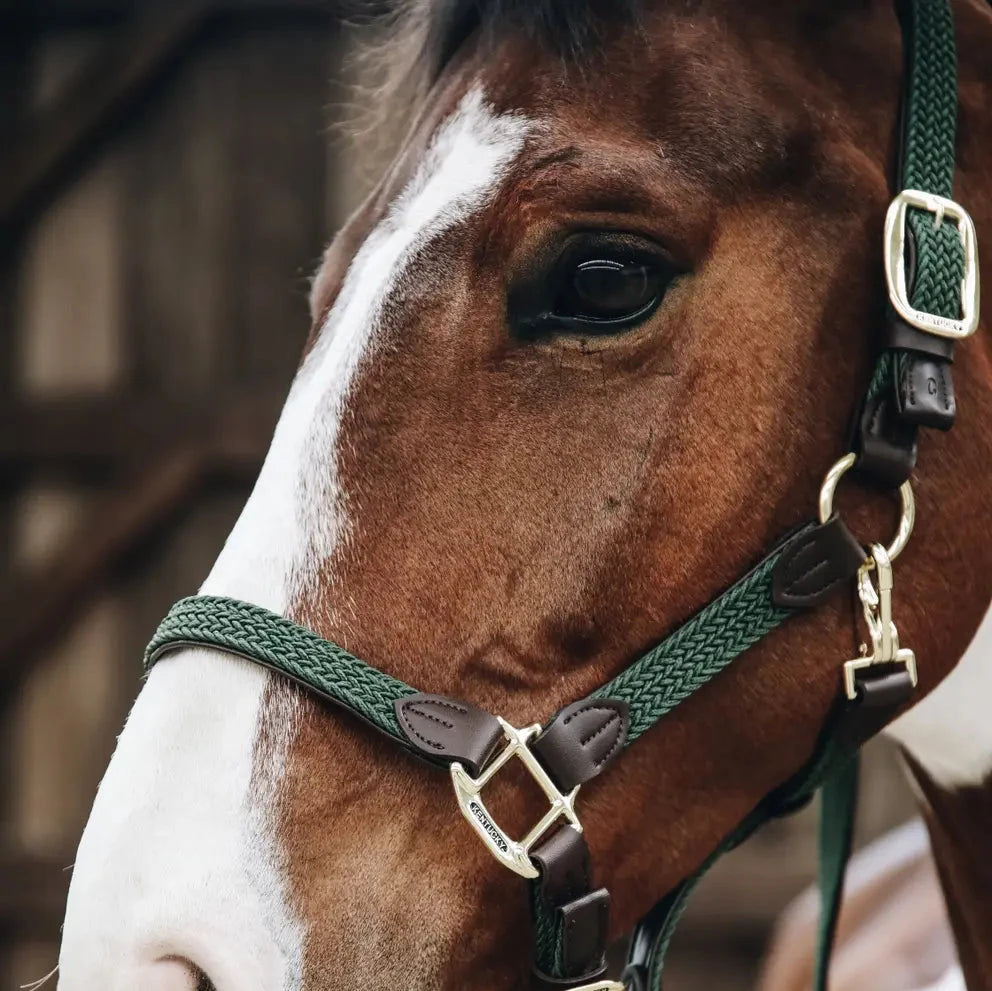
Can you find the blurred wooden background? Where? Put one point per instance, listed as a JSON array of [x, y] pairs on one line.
[[169, 174]]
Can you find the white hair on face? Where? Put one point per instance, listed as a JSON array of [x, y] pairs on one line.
[[950, 732], [180, 858]]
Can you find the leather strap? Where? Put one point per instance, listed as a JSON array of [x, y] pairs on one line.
[[882, 690], [583, 740], [577, 915], [442, 729], [563, 860], [925, 391], [906, 337], [814, 563], [585, 924], [886, 444]]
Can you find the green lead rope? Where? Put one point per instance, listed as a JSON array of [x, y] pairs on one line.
[[838, 802]]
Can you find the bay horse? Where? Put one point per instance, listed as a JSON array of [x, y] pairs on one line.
[[585, 351]]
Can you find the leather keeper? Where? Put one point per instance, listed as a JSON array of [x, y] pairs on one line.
[[442, 729], [585, 925], [925, 391], [582, 740], [814, 563], [906, 337]]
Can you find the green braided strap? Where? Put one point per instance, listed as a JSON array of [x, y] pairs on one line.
[[546, 933], [699, 650], [928, 154], [929, 130], [266, 638]]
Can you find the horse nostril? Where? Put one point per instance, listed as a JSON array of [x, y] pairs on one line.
[[193, 977]]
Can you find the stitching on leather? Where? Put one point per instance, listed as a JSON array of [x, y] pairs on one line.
[[444, 703], [616, 746], [428, 715], [942, 378], [799, 579], [822, 588], [410, 707], [792, 556], [433, 744], [588, 707], [609, 722]]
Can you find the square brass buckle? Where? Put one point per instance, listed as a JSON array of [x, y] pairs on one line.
[[895, 263], [514, 854]]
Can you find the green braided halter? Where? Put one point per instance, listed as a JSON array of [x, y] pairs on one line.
[[696, 652], [653, 685]]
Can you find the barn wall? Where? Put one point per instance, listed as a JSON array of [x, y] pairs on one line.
[[173, 268]]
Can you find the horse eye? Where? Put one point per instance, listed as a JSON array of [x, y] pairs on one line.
[[597, 282], [608, 291]]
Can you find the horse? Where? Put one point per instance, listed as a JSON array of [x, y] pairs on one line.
[[587, 349]]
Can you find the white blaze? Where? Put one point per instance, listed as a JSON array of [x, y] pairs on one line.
[[180, 856], [950, 731]]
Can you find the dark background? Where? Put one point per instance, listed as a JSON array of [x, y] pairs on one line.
[[169, 175]]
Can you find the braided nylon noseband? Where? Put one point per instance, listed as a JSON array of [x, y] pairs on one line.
[[653, 685], [273, 641]]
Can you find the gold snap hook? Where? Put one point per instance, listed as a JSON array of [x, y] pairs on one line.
[[876, 602]]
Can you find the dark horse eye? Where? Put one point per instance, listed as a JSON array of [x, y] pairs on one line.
[[608, 290], [598, 282]]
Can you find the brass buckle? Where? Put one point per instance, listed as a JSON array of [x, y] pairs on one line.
[[895, 263], [876, 601], [511, 853]]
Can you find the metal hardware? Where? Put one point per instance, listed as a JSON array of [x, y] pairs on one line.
[[603, 986], [876, 601], [895, 263], [511, 853], [906, 520]]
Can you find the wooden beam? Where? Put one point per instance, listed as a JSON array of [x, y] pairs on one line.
[[56, 144], [111, 432], [37, 611]]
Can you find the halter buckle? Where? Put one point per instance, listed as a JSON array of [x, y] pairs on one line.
[[895, 263], [515, 854], [876, 601]]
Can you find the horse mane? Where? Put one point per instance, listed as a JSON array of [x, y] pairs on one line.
[[423, 36], [569, 28]]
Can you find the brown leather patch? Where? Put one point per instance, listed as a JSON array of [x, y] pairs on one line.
[[444, 729], [582, 740], [814, 563]]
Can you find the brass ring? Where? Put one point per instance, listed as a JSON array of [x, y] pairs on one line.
[[906, 521]]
